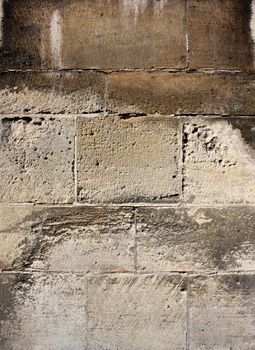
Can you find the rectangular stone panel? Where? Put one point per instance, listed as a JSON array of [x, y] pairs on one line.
[[123, 34], [36, 159], [56, 93], [219, 160], [221, 312], [66, 239], [29, 36], [195, 239], [181, 93], [136, 312], [221, 33], [128, 159], [43, 311]]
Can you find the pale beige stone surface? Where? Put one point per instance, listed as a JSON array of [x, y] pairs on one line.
[[43, 311], [36, 159], [53, 92], [219, 161], [123, 34], [137, 312], [66, 239], [195, 239], [221, 312], [123, 159]]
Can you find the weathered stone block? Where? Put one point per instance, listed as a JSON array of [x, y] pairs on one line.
[[36, 159], [43, 311], [195, 239], [221, 312], [123, 34], [29, 34], [57, 93], [91, 239], [219, 160], [221, 33], [181, 93], [136, 312], [123, 159]]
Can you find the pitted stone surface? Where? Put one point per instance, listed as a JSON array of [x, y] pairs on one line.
[[128, 159], [219, 160], [195, 239], [36, 159]]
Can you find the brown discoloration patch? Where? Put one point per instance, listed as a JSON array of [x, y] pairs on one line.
[[247, 130], [56, 93], [219, 34]]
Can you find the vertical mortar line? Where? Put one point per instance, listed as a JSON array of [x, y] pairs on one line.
[[182, 157], [87, 313], [186, 32], [75, 162], [187, 314], [105, 92], [135, 239]]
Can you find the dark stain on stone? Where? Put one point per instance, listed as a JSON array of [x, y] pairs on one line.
[[247, 130]]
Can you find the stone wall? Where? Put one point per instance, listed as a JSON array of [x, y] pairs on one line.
[[127, 163]]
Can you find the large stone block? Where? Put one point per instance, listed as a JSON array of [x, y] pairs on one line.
[[123, 34], [29, 34], [219, 160], [91, 239], [221, 312], [195, 239], [181, 93], [43, 311], [123, 159], [221, 33], [57, 93], [36, 159], [136, 312]]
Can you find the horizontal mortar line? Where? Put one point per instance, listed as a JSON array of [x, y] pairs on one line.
[[132, 273], [178, 205], [98, 114], [120, 70]]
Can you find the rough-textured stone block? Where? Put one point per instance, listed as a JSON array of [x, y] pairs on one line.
[[91, 239], [195, 239], [221, 313], [136, 312], [219, 160], [128, 159], [36, 159], [221, 33], [123, 34], [29, 34], [57, 93], [181, 93], [43, 312]]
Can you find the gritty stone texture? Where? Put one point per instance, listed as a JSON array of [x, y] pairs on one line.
[[43, 312], [36, 159], [195, 239], [27, 34], [220, 33], [92, 239], [219, 160], [128, 159], [123, 34], [136, 312], [56, 93], [181, 93], [221, 312]]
